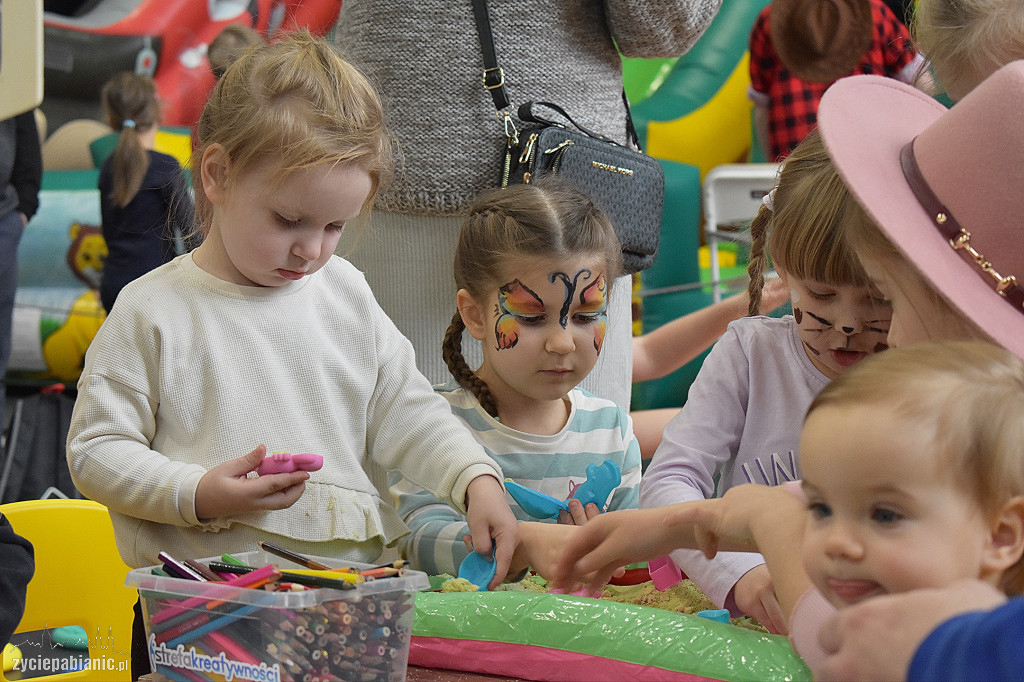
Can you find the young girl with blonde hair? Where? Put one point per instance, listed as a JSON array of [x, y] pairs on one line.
[[741, 421], [534, 266], [145, 204], [968, 40], [262, 340]]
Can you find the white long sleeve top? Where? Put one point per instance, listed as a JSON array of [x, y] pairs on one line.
[[189, 371]]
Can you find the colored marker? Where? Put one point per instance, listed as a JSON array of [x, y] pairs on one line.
[[293, 556], [256, 578], [201, 569], [173, 566], [354, 578]]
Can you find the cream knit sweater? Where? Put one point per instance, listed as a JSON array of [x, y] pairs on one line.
[[189, 371]]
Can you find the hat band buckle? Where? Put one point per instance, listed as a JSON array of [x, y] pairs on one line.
[[959, 237]]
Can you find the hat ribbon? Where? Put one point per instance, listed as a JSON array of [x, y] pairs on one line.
[[959, 238]]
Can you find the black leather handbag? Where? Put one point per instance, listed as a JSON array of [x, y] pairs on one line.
[[628, 185]]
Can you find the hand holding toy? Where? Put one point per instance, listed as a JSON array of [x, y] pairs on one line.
[[601, 481], [478, 570]]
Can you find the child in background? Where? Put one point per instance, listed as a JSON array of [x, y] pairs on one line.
[[533, 266], [912, 479], [261, 340], [741, 421], [145, 204], [799, 47], [230, 44], [968, 40]]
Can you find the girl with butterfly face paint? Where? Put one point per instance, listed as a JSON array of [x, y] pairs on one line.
[[534, 267], [742, 419]]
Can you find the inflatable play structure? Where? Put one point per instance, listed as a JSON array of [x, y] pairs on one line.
[[693, 114], [88, 41]]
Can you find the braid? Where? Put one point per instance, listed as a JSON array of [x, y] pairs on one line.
[[755, 268], [451, 351]]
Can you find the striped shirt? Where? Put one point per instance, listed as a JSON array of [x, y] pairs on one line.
[[597, 430]]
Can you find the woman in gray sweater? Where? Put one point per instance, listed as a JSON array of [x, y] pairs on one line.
[[425, 59]]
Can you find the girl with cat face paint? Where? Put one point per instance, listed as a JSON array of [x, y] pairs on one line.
[[742, 419], [534, 268]]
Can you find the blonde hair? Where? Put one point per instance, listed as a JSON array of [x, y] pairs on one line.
[[230, 44], [131, 106], [803, 232], [965, 398], [546, 219], [298, 104], [968, 40], [871, 245]]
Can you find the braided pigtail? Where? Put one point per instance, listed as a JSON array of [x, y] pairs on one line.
[[758, 259], [451, 351]]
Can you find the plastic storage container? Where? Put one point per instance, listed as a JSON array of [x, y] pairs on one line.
[[209, 631]]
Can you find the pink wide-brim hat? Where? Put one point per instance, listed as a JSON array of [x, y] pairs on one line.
[[970, 162]]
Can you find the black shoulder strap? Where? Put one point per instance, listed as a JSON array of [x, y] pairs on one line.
[[493, 77]]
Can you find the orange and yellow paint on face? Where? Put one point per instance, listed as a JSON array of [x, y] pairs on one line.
[[594, 301], [518, 305], [515, 300]]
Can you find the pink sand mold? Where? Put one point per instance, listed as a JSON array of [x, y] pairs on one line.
[[286, 463]]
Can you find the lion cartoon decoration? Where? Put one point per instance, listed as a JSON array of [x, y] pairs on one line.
[[64, 349]]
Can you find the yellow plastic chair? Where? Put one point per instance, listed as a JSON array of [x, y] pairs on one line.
[[79, 580]]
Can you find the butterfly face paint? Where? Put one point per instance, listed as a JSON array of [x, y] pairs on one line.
[[515, 302], [550, 321], [593, 302], [838, 325]]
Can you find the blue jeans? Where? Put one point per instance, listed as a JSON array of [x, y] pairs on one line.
[[11, 229]]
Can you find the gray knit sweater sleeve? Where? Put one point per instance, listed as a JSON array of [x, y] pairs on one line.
[[658, 28], [424, 57]]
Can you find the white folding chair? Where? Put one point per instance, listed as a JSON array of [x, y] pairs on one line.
[[732, 197]]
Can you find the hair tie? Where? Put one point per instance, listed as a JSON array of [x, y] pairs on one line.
[[769, 200], [128, 123]]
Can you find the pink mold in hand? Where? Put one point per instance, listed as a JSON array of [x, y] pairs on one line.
[[286, 463]]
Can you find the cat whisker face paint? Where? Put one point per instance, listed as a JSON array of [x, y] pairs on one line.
[[838, 325]]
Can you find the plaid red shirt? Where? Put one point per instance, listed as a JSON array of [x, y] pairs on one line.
[[793, 103]]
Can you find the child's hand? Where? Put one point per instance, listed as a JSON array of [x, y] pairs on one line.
[[225, 490], [597, 550], [727, 523], [758, 518], [490, 521], [755, 596], [578, 514]]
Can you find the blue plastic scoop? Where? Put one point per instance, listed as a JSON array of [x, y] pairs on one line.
[[537, 504], [601, 481], [478, 570]]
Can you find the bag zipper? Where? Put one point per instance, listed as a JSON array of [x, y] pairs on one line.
[[559, 152]]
